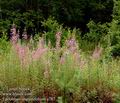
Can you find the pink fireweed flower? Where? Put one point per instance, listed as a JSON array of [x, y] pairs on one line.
[[72, 45], [71, 49], [58, 35], [38, 53], [20, 50], [41, 43], [13, 30], [17, 47], [23, 53], [14, 35], [14, 39], [58, 39], [97, 53], [72, 42]]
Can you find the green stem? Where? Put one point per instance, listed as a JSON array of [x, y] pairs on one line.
[[64, 96]]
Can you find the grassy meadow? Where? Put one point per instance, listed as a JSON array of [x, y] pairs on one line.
[[60, 74]]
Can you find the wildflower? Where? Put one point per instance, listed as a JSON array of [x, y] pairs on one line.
[[41, 43], [71, 42], [14, 34], [38, 53], [97, 53], [71, 48], [14, 39], [23, 53], [58, 38], [72, 45], [13, 30]]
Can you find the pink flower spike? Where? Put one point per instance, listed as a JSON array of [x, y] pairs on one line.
[[38, 53], [97, 53], [58, 39]]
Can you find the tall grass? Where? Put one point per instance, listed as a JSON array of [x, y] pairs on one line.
[[61, 72]]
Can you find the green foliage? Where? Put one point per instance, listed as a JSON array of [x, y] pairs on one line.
[[52, 28], [114, 30], [28, 19], [97, 35], [96, 32], [66, 75], [99, 10], [4, 25], [116, 10], [71, 13], [4, 44]]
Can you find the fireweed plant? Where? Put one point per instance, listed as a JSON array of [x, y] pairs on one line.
[[61, 72]]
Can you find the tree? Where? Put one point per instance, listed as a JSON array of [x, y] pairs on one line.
[[114, 29], [72, 13]]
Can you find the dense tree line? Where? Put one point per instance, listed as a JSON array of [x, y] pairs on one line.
[[72, 13]]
